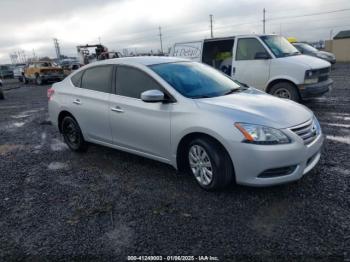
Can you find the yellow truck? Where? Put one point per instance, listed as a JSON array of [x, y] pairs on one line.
[[42, 72]]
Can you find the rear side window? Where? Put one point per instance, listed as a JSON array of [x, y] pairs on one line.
[[76, 79], [247, 49], [98, 79], [132, 82]]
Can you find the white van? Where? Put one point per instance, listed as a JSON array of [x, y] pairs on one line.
[[266, 62]]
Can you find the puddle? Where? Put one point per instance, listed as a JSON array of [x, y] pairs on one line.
[[20, 116], [8, 148], [57, 166], [338, 125], [341, 139], [18, 124], [58, 145]]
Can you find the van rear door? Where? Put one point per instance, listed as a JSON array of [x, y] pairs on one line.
[[251, 62], [189, 50]]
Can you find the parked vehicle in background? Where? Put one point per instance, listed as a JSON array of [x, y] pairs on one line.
[[267, 62], [91, 53], [68, 68], [1, 91], [188, 115], [42, 72], [307, 49], [18, 72], [5, 72]]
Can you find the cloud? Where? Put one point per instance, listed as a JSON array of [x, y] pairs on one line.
[[122, 24]]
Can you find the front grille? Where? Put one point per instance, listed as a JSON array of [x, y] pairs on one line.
[[275, 172], [307, 131], [323, 78], [323, 74], [324, 70]]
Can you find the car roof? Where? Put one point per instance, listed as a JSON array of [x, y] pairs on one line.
[[143, 60]]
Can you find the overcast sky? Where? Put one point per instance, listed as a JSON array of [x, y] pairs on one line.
[[133, 24]]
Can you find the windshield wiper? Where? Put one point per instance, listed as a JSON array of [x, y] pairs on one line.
[[231, 91]]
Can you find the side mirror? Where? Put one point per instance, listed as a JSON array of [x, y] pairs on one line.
[[152, 96], [262, 56]]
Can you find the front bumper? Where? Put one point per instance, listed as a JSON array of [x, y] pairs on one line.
[[250, 161], [314, 90]]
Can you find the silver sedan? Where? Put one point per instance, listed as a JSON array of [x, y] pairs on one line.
[[190, 116]]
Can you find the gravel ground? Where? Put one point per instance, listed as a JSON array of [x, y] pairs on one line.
[[105, 205]]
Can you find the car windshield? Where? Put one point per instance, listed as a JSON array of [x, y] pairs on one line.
[[308, 47], [196, 80], [44, 64], [279, 46]]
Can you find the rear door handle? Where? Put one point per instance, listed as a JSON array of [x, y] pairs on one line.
[[117, 109], [77, 102]]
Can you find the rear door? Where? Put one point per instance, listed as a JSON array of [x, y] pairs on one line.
[[137, 125], [90, 103], [247, 67]]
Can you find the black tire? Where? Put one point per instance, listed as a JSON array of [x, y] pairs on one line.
[[285, 90], [39, 81], [1, 94], [72, 134], [221, 164]]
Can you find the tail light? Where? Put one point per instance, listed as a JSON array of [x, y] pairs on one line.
[[50, 93]]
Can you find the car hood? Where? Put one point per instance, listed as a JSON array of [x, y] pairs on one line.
[[326, 53], [308, 61], [256, 107]]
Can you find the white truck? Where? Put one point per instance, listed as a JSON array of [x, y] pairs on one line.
[[267, 62]]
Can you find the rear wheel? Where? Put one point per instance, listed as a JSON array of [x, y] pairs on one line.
[[38, 80], [285, 90], [209, 163], [72, 134], [1, 93]]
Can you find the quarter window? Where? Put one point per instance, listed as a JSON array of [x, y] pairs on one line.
[[248, 48], [98, 79], [132, 82], [76, 79]]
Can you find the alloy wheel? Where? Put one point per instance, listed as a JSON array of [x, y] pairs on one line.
[[200, 165]]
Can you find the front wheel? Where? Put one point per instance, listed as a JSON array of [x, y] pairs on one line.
[[210, 164], [1, 94], [285, 90], [72, 134]]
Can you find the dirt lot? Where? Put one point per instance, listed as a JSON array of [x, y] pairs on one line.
[[104, 205]]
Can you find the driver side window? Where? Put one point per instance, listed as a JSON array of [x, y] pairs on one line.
[[248, 48], [131, 82]]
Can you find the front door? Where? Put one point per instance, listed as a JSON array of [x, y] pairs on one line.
[[137, 125], [249, 66]]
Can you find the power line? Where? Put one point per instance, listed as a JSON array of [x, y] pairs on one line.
[[311, 14]]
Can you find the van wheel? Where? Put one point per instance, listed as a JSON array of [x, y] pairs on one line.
[[72, 134], [209, 163], [285, 90], [1, 94]]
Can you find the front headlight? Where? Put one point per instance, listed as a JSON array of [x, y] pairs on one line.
[[311, 77], [317, 126], [264, 135]]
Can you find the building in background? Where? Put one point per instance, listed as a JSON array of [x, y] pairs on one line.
[[340, 46]]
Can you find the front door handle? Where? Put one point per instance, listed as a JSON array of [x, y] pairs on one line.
[[117, 109], [77, 102]]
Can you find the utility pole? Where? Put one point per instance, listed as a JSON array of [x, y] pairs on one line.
[[331, 34], [160, 38], [264, 20], [57, 48], [211, 26]]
